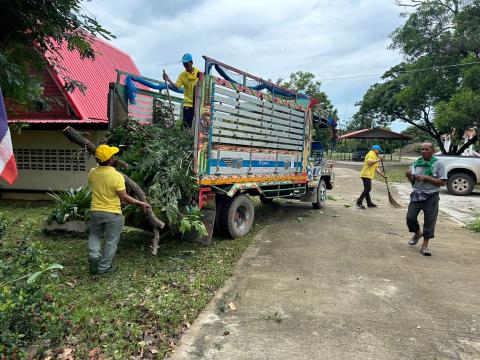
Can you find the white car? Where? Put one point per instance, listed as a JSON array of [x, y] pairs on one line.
[[463, 173]]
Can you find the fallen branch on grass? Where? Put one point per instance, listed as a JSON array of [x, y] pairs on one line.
[[135, 190]]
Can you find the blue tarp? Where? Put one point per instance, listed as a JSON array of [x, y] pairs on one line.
[[261, 86], [131, 89]]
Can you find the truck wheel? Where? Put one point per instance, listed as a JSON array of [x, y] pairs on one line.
[[265, 200], [221, 201], [237, 216], [321, 195], [460, 184]]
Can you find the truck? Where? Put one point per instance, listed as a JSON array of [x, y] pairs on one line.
[[463, 173], [249, 140]]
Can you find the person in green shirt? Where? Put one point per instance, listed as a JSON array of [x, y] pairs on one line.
[[186, 80], [370, 167]]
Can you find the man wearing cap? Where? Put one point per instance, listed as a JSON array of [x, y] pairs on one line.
[[106, 220], [370, 166], [187, 79]]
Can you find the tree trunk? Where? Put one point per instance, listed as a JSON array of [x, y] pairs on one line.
[[135, 190]]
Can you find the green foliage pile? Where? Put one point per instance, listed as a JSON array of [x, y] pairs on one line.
[[71, 205], [160, 159], [29, 312]]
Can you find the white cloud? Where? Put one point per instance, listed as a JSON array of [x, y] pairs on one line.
[[331, 38]]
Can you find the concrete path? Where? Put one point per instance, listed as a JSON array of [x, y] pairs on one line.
[[342, 283]]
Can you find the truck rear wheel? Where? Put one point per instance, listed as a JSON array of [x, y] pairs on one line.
[[460, 184], [237, 216], [321, 195]]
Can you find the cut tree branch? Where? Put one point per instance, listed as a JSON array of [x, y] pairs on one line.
[[156, 224]]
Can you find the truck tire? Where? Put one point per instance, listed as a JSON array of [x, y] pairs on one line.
[[460, 184], [237, 216], [321, 195], [221, 200]]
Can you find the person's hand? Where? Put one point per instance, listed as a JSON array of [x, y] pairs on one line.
[[408, 172], [145, 206], [420, 177], [385, 177]]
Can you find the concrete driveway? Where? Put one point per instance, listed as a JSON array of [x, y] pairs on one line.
[[342, 283]]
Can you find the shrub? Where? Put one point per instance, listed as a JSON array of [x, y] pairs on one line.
[[71, 205], [29, 313]]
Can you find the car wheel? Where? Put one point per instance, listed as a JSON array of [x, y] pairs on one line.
[[460, 184]]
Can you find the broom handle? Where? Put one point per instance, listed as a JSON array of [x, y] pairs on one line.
[[383, 169], [168, 95]]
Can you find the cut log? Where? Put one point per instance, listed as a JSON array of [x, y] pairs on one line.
[[132, 187]]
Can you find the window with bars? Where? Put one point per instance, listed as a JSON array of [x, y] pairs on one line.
[[50, 159]]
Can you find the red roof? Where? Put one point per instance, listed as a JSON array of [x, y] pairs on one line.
[[96, 75]]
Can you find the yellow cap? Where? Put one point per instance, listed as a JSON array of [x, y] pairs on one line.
[[105, 152]]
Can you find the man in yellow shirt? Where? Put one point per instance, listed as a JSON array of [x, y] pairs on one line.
[[370, 167], [106, 219], [187, 79]]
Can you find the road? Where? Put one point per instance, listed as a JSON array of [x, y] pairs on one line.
[[342, 283]]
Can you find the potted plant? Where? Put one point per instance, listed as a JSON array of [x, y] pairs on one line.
[[71, 212]]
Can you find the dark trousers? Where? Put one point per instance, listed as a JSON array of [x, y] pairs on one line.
[[187, 117], [430, 212], [367, 187]]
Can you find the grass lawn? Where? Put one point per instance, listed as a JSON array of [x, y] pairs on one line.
[[396, 173], [143, 308]]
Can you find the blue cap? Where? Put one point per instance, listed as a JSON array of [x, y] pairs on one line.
[[377, 147], [187, 58]]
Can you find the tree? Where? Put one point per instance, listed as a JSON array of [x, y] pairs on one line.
[[31, 33], [304, 82], [436, 84]]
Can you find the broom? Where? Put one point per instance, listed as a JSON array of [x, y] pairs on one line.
[[392, 201]]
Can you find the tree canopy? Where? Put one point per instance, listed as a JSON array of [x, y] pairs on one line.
[[437, 87], [304, 82], [31, 33]]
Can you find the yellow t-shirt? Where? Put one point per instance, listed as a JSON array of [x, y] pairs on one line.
[[188, 81], [368, 171], [104, 182]]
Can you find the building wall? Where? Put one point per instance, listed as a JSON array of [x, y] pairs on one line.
[[47, 160]]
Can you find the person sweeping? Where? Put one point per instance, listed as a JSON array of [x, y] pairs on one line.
[[426, 175], [106, 219], [370, 167]]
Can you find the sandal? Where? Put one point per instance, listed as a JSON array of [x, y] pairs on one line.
[[414, 239], [425, 252]]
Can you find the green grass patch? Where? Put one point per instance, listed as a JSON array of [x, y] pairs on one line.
[[395, 173], [145, 306], [474, 224]]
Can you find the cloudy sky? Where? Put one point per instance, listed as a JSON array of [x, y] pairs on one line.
[[330, 38]]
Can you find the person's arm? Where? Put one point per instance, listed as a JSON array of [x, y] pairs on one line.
[[380, 172], [125, 198], [172, 84], [371, 162], [409, 175], [431, 179]]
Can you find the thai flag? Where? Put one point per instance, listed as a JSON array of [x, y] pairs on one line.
[[8, 167]]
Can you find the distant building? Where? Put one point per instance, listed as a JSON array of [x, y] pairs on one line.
[[45, 157]]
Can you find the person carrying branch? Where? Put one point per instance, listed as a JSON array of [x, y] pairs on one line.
[[370, 167], [106, 219], [187, 79], [426, 175]]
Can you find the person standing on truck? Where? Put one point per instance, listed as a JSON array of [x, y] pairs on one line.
[[427, 175], [370, 167], [106, 220], [186, 80]]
